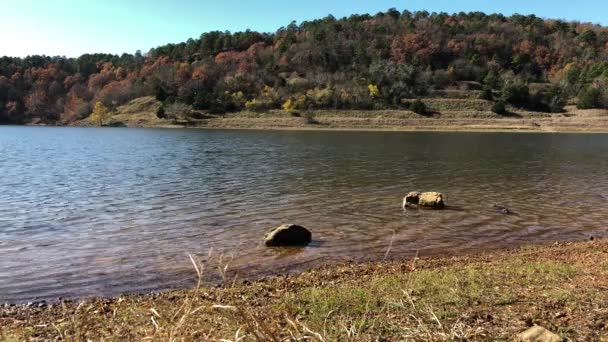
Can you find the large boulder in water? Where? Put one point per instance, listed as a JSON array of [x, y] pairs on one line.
[[288, 235], [432, 200]]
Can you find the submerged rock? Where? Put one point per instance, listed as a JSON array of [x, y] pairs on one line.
[[432, 200], [538, 334], [288, 235], [503, 210]]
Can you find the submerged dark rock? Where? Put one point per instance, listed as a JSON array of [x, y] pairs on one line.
[[288, 235], [503, 210]]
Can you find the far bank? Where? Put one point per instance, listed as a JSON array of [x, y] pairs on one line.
[[444, 114]]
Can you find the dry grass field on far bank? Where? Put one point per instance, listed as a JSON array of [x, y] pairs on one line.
[[446, 114], [488, 297]]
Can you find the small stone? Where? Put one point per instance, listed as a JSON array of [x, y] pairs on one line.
[[538, 334], [560, 315]]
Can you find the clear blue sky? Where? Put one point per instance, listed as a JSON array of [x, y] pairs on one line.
[[74, 27]]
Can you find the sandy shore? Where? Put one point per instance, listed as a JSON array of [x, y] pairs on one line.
[[486, 297], [418, 126], [573, 121], [348, 121]]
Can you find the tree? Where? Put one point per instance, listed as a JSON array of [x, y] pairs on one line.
[[325, 63], [588, 98], [486, 94], [160, 93], [160, 112], [589, 37], [516, 93], [374, 92], [555, 99], [101, 114]]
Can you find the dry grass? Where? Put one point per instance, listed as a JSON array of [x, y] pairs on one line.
[[492, 296], [454, 110]]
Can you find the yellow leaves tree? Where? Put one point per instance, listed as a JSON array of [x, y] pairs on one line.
[[451, 73], [320, 97], [289, 105], [101, 114], [374, 92], [269, 99]]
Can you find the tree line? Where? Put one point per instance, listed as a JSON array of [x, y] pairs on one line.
[[376, 61]]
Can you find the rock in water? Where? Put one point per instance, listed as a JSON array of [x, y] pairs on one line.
[[431, 200], [503, 210], [538, 334], [411, 199], [425, 199], [288, 235]]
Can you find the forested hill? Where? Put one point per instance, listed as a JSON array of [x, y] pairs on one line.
[[359, 62]]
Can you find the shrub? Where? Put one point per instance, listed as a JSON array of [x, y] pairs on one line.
[[374, 92], [516, 93], [555, 99], [219, 102], [499, 108], [160, 93], [310, 119], [202, 101], [418, 107], [160, 112], [589, 98], [257, 105], [177, 111], [486, 94]]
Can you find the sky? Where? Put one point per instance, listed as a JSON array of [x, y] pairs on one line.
[[74, 27]]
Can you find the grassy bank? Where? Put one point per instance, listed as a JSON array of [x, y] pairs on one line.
[[446, 114], [492, 296]]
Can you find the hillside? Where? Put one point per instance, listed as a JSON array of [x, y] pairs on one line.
[[361, 63]]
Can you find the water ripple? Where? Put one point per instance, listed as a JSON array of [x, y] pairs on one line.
[[98, 212]]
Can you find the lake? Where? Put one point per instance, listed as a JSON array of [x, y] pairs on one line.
[[100, 212]]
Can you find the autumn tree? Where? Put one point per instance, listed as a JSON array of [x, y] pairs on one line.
[[101, 114], [326, 63]]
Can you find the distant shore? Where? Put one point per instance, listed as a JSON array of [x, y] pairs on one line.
[[446, 115], [489, 296], [345, 121], [342, 122]]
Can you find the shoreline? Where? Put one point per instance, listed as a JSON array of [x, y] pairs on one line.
[[483, 296], [347, 123], [320, 128], [401, 130], [445, 115]]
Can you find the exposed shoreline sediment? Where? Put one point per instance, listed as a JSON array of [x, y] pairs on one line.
[[487, 296]]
